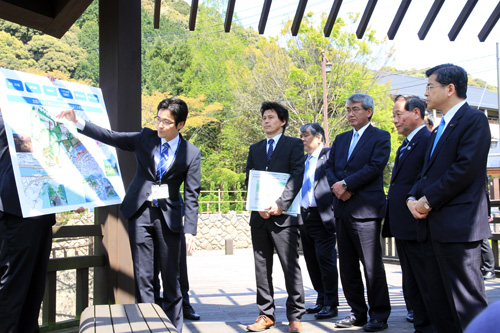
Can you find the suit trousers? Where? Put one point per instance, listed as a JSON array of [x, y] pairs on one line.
[[148, 232], [25, 245], [360, 241], [320, 254], [456, 285], [414, 284], [183, 277], [487, 258], [285, 241]]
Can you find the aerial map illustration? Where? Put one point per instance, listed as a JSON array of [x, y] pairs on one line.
[[56, 168]]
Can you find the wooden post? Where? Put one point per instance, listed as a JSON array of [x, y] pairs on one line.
[[120, 81]]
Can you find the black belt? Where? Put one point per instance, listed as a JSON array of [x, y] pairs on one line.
[[309, 209], [150, 204]]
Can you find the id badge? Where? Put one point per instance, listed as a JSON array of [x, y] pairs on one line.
[[159, 191]]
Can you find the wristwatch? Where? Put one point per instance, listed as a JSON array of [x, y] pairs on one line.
[[426, 203], [344, 185]]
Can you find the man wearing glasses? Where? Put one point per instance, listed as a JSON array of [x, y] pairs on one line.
[[450, 203], [355, 173], [153, 203]]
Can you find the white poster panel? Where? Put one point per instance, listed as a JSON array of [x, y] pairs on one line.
[[265, 187], [56, 168]]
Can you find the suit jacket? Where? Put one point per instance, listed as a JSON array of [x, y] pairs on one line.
[[404, 175], [9, 198], [363, 173], [322, 191], [184, 169], [452, 180], [288, 157]]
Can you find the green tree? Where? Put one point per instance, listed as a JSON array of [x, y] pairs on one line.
[[13, 54]]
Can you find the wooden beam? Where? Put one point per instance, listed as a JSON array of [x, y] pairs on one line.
[[488, 26], [462, 18], [77, 231], [370, 6], [156, 15], [229, 15], [66, 16], [192, 15], [298, 17], [332, 18], [431, 16], [403, 8], [264, 16]]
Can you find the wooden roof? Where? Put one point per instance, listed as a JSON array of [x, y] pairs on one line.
[[52, 17], [55, 17]]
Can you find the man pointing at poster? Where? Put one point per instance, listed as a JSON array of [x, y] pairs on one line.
[[152, 203]]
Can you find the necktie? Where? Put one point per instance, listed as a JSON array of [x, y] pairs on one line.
[[442, 124], [403, 147], [306, 186], [270, 151], [162, 165], [355, 139]]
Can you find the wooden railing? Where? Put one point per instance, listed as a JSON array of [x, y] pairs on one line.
[[81, 264]]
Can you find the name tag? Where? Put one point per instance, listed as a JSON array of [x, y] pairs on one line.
[[159, 191]]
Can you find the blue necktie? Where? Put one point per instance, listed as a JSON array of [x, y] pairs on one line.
[[355, 139], [442, 124], [162, 166], [270, 151], [306, 186], [403, 147]]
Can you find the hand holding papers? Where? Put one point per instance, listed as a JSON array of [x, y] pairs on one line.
[[264, 188]]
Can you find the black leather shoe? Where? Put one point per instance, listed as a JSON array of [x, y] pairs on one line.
[[317, 308], [328, 311], [190, 314], [409, 316], [489, 275], [375, 325], [349, 321]]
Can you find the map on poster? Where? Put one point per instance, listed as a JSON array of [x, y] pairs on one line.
[[56, 168]]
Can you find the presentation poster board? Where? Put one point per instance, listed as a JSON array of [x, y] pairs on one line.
[[56, 168], [265, 187]]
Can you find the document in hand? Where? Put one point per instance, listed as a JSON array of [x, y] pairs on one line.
[[265, 187]]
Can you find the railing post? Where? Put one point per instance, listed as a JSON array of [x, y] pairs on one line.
[[49, 300], [82, 290], [218, 200]]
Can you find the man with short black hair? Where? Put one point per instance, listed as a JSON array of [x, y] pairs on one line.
[[450, 202], [152, 204], [271, 229]]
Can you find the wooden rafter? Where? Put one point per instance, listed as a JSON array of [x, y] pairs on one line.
[[264, 16], [462, 18], [488, 26], [431, 16], [298, 17], [192, 15], [229, 15], [370, 6], [332, 17], [398, 19]]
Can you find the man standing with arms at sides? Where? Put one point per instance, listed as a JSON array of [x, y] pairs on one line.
[[450, 199], [153, 203], [318, 229], [408, 112], [355, 172], [271, 229]]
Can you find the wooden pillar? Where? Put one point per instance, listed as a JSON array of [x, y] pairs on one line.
[[120, 81]]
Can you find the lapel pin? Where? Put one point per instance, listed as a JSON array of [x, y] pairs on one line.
[[451, 125]]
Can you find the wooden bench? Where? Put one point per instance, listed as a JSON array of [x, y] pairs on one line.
[[143, 317]]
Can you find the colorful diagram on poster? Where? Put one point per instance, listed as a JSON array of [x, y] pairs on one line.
[[56, 168]]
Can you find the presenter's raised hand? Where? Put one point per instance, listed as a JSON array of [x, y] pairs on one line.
[[69, 115]]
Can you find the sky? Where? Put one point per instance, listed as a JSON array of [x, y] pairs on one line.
[[477, 58]]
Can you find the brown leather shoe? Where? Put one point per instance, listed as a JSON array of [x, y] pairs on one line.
[[294, 327], [262, 323]]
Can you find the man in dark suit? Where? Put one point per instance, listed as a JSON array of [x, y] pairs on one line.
[[318, 229], [153, 204], [25, 245], [272, 230], [450, 200], [408, 112], [355, 172]]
